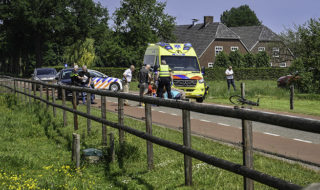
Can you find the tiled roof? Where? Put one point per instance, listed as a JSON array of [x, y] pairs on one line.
[[251, 35], [200, 36]]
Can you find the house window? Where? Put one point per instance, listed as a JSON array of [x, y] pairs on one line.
[[275, 52], [283, 64], [210, 65], [261, 49], [234, 48], [218, 49]]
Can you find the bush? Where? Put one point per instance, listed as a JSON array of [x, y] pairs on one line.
[[268, 73], [305, 82]]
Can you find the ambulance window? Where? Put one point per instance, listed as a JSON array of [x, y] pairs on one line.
[[149, 60], [156, 66], [182, 63]]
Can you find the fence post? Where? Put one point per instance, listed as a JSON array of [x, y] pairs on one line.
[[47, 92], [41, 89], [121, 119], [22, 90], [25, 91], [74, 103], [187, 143], [112, 151], [53, 92], [76, 149], [148, 116], [291, 96], [88, 112], [30, 88], [103, 116], [14, 86], [247, 146], [63, 96], [34, 91]]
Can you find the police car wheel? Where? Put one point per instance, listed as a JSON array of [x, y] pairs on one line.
[[115, 87]]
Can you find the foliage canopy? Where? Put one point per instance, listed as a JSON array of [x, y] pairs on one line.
[[240, 16]]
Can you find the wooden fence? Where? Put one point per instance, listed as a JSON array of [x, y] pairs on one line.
[[23, 87]]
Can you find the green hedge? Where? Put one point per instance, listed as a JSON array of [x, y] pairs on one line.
[[269, 73], [247, 73]]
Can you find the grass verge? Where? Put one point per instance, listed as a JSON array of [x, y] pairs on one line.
[[35, 154]]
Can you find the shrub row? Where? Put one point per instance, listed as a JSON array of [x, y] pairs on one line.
[[269, 73]]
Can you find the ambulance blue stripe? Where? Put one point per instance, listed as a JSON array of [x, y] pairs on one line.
[[98, 80], [109, 80]]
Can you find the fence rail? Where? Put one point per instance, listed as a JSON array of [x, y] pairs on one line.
[[303, 124]]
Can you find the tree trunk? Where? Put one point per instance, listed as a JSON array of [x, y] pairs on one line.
[[38, 48]]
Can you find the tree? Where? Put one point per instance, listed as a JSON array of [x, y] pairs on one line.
[[262, 59], [292, 40], [222, 60], [249, 60], [309, 56], [37, 31], [139, 22], [240, 16], [236, 59], [81, 53]]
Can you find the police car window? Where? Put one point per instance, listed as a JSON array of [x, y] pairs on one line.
[[66, 74], [182, 63]]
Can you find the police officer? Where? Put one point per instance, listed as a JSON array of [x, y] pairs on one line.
[[164, 77], [76, 79], [86, 82]]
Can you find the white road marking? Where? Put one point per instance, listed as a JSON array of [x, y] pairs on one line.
[[271, 134], [205, 120], [224, 124], [302, 140], [173, 114], [162, 112]]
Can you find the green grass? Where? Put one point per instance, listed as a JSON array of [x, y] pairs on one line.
[[271, 97], [35, 152]]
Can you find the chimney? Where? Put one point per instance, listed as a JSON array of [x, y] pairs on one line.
[[207, 20]]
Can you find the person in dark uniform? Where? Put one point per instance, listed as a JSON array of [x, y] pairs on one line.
[[144, 78], [164, 76], [76, 79], [85, 82]]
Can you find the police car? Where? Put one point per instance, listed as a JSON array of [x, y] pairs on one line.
[[99, 81]]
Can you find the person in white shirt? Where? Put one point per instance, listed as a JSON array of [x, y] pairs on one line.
[[127, 76], [230, 79]]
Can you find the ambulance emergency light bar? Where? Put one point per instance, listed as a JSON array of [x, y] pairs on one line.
[[167, 46]]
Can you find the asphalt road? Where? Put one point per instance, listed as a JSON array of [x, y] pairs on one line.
[[267, 129]]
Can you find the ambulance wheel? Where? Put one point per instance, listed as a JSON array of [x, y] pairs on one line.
[[114, 87], [200, 100]]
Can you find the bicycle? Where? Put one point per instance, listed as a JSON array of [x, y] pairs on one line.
[[236, 99]]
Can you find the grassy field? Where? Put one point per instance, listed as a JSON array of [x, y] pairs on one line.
[[271, 97], [35, 154]]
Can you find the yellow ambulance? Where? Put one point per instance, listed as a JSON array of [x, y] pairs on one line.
[[183, 61]]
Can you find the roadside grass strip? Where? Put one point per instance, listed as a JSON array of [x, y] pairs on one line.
[[35, 153]]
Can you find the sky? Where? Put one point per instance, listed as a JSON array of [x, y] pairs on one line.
[[275, 14]]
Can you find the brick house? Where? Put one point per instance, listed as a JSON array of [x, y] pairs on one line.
[[208, 39], [261, 38]]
